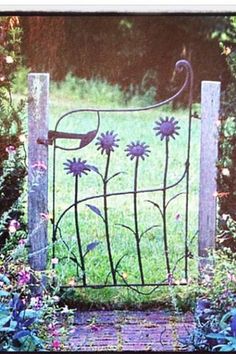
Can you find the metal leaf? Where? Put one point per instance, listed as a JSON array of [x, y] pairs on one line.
[[156, 205], [92, 245], [95, 210], [87, 138], [94, 168], [116, 174], [148, 229], [127, 227]]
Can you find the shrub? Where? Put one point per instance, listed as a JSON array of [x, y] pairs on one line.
[[12, 154]]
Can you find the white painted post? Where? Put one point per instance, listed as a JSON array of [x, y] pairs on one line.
[[37, 169], [210, 106]]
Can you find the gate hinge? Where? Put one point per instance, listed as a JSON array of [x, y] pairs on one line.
[[85, 139]]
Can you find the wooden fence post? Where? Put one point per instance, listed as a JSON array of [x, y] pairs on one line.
[[210, 105], [38, 169]]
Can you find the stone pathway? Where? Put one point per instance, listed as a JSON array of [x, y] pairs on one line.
[[151, 330]]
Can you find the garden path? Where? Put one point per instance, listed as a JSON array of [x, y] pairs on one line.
[[148, 330]]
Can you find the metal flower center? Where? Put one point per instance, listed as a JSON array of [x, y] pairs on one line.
[[138, 150], [107, 141], [167, 128], [77, 167]]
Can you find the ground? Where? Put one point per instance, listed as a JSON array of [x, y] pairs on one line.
[[149, 330]]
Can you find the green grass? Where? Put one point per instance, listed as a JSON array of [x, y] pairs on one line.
[[75, 93]]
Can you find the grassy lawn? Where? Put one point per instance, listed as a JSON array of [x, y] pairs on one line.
[[130, 127]]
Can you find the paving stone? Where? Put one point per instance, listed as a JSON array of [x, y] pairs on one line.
[[149, 330]]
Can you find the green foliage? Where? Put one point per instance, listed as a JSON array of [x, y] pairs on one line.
[[100, 93], [12, 154], [215, 305], [226, 36]]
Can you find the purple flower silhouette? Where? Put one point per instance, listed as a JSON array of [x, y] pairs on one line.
[[137, 150], [107, 142], [76, 167], [167, 128]]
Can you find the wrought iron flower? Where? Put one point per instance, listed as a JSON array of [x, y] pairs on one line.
[[107, 142], [76, 167], [137, 150], [167, 128]]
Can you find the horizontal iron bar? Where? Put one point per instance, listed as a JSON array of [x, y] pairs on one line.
[[52, 134], [97, 286]]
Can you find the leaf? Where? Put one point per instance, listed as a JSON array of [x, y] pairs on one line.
[[92, 245], [23, 333], [87, 138], [215, 336], [148, 229], [116, 174], [3, 321], [224, 348], [118, 263], [156, 205], [5, 279], [173, 198], [4, 293], [30, 314], [95, 210], [29, 322], [127, 227], [94, 168]]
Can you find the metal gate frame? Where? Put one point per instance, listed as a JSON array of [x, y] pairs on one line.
[[107, 142]]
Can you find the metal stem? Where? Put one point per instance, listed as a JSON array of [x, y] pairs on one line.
[[77, 231], [164, 208], [54, 227], [187, 172], [136, 221], [106, 220]]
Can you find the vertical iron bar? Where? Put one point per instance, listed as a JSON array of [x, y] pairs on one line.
[[77, 231], [164, 208], [107, 221], [136, 221], [53, 202], [187, 172]]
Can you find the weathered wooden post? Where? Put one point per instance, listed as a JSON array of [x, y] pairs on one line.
[[38, 169], [210, 106]]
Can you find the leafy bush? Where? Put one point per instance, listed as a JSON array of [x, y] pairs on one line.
[[227, 146], [12, 154], [214, 312]]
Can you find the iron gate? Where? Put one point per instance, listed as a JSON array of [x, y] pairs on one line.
[[106, 144]]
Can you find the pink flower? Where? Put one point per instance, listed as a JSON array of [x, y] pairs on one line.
[[54, 260], [23, 277], [14, 225], [22, 242], [10, 149], [177, 216], [56, 344]]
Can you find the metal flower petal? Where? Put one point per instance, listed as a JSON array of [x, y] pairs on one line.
[[137, 150], [167, 128], [76, 167], [107, 142]]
